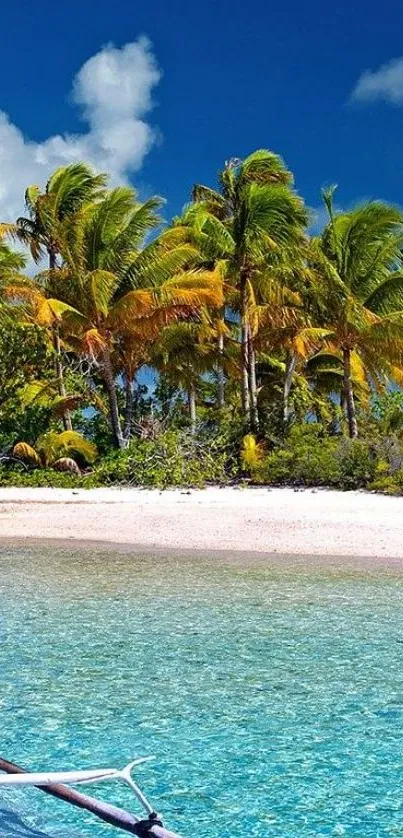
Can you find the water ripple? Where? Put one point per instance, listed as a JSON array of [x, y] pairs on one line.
[[272, 699]]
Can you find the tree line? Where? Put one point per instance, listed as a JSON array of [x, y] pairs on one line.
[[239, 310]]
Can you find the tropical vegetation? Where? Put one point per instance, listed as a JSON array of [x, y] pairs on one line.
[[228, 344]]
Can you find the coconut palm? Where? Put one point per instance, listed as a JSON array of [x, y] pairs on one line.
[[11, 265], [50, 225], [60, 451], [184, 352], [289, 332], [214, 245], [258, 221], [51, 213], [323, 372], [119, 293], [358, 259], [280, 317]]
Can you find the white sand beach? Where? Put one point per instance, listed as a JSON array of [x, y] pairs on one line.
[[258, 520]]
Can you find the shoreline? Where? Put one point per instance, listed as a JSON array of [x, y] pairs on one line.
[[257, 522], [298, 562]]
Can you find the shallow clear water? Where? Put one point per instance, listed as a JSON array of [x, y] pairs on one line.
[[273, 698]]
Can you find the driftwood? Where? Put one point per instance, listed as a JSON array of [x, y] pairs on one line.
[[105, 811]]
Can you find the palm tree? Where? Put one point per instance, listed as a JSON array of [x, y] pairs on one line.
[[11, 265], [214, 245], [119, 293], [296, 340], [323, 373], [50, 224], [59, 451], [51, 213], [184, 352], [282, 320], [358, 259], [257, 219]]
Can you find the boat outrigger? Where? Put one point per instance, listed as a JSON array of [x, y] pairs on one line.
[[56, 783]]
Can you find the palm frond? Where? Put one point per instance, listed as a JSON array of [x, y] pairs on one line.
[[264, 167], [215, 202], [155, 264], [73, 442], [32, 194], [387, 295], [25, 452], [72, 186], [100, 286]]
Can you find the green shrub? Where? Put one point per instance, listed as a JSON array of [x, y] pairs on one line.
[[309, 457], [387, 485], [38, 478], [173, 459], [387, 481], [357, 463]]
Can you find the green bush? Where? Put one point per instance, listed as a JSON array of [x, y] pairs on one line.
[[357, 463], [308, 457], [173, 459], [387, 480], [38, 478], [385, 485]]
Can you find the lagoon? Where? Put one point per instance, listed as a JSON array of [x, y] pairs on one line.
[[271, 694]]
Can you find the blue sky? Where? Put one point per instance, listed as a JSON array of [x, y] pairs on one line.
[[224, 76]]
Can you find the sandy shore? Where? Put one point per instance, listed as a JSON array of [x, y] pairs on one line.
[[265, 521]]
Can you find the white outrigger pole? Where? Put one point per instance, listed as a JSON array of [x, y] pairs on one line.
[[54, 782], [79, 778]]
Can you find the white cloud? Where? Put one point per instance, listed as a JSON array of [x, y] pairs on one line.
[[114, 90], [385, 84]]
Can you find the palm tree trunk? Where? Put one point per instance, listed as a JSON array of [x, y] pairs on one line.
[[349, 395], [245, 393], [66, 416], [129, 406], [192, 407], [110, 385], [252, 383], [290, 364], [342, 399], [58, 356], [220, 374]]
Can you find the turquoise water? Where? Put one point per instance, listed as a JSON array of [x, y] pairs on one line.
[[272, 698]]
